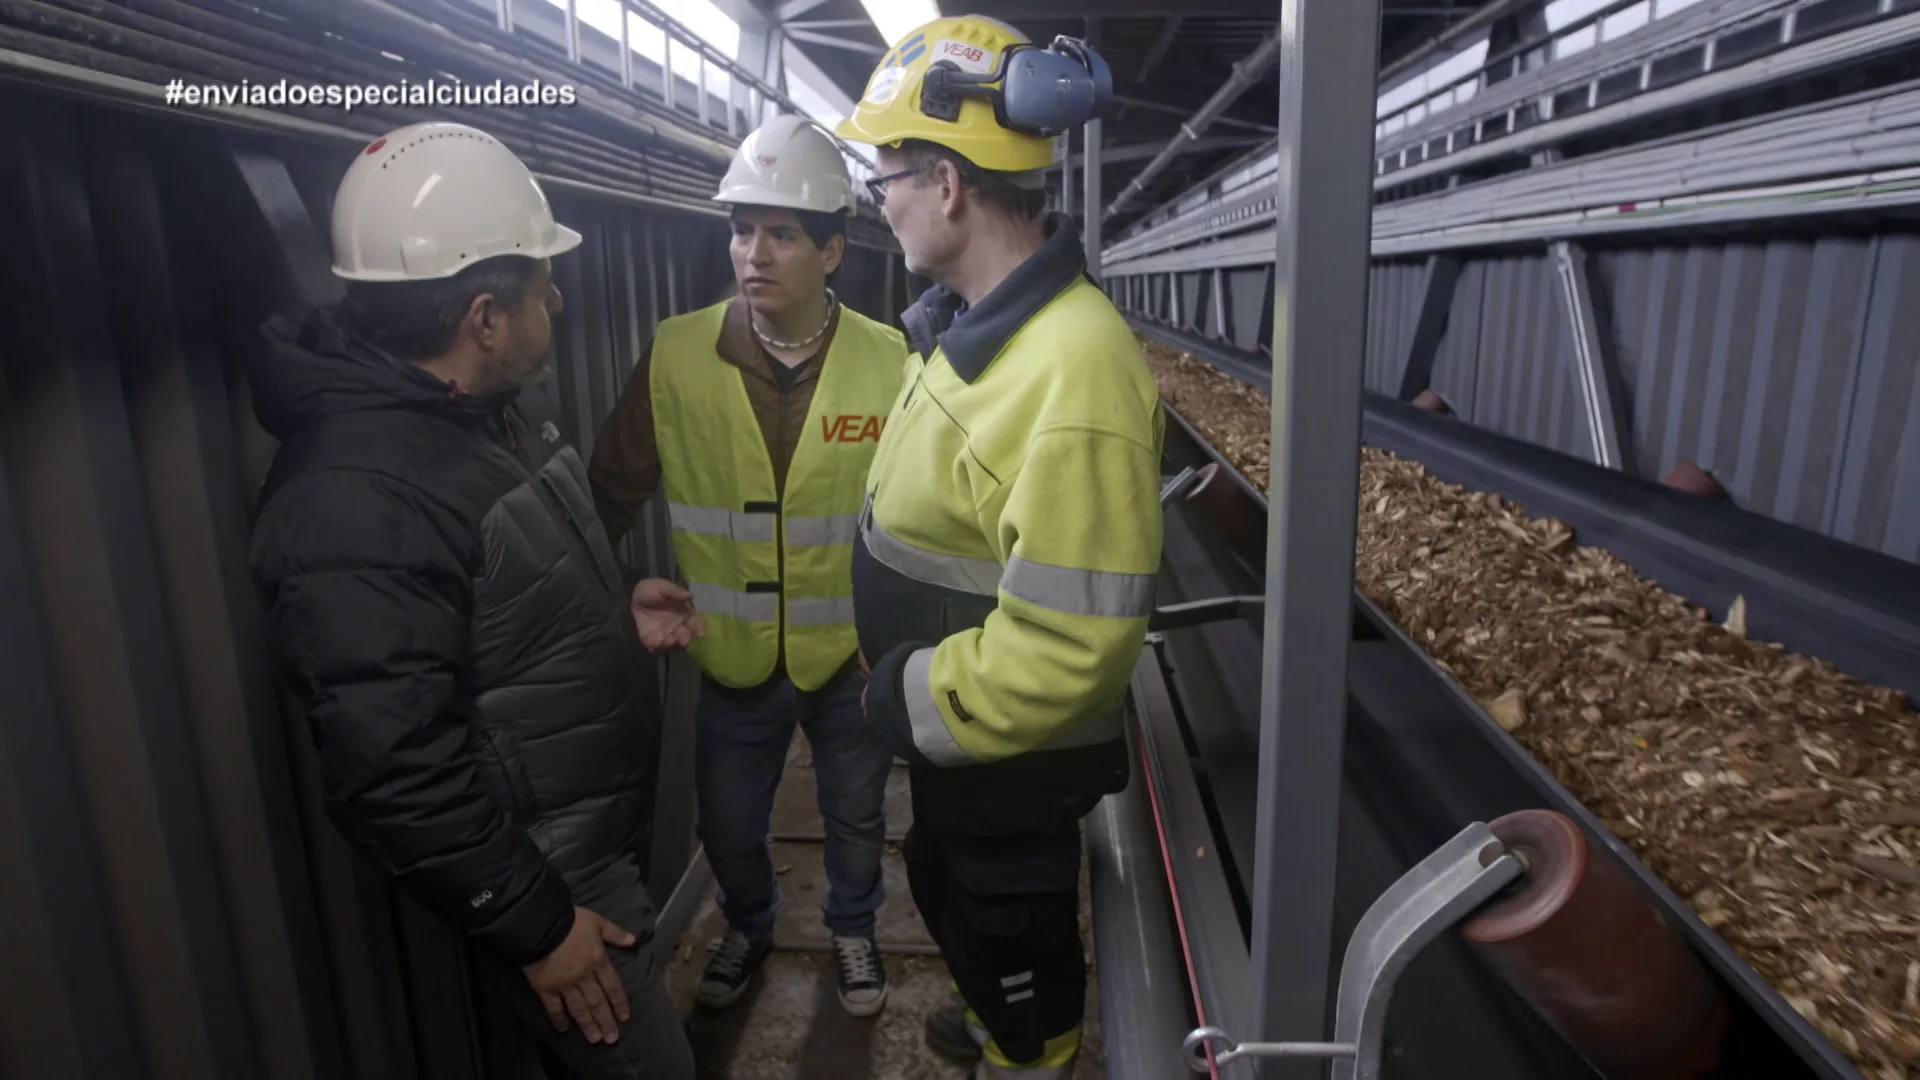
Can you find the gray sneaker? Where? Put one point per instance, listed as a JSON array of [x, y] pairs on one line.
[[731, 970], [863, 975]]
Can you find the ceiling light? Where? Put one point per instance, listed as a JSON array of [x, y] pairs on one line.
[[895, 18]]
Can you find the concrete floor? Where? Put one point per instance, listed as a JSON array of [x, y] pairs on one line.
[[790, 1025]]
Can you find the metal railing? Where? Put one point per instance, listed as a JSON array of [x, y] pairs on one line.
[[759, 91]]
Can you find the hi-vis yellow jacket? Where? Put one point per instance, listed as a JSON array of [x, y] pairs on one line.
[[1011, 535], [767, 567]]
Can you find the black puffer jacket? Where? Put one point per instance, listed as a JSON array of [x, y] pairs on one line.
[[447, 611]]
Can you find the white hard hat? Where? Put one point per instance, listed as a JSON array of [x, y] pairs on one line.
[[429, 200], [789, 161]]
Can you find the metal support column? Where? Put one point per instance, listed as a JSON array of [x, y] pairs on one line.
[[667, 89], [1220, 305], [1601, 388], [1092, 229], [1416, 373], [1328, 53]]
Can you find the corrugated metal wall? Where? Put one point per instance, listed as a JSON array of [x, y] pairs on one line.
[[1394, 294], [1784, 365], [173, 903], [1788, 365], [1506, 360]]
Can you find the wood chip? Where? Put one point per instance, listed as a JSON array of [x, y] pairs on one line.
[[1742, 775], [1510, 710]]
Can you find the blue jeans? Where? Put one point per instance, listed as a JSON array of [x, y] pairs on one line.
[[740, 749]]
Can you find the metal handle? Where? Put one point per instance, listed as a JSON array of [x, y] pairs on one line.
[[1201, 612], [1179, 486], [1226, 1050]]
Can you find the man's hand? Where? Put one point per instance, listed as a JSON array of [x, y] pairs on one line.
[[577, 980], [663, 613]]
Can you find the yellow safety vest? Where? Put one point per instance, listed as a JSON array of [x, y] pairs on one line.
[[756, 562]]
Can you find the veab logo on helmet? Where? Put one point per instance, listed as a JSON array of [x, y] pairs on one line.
[[981, 88]]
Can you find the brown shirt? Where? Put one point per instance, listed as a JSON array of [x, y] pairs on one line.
[[625, 470]]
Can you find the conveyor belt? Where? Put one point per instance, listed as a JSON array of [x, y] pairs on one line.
[[1422, 760], [1856, 609]]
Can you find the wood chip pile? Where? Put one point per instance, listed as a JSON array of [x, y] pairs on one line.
[[1779, 796]]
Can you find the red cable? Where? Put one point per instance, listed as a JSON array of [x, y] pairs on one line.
[[1173, 892]]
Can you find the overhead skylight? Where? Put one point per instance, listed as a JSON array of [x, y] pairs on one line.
[[895, 18]]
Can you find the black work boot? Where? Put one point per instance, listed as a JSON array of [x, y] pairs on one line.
[[953, 1033]]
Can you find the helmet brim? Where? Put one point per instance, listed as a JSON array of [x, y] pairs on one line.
[[775, 200], [564, 240], [850, 130]]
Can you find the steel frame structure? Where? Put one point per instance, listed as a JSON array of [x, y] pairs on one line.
[[1748, 169]]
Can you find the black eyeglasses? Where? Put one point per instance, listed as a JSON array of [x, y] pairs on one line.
[[878, 185]]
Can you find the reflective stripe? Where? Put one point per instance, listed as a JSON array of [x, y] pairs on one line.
[[1018, 996], [747, 528], [980, 577], [1079, 592], [1056, 588], [1012, 981], [718, 600], [1058, 1056], [930, 732], [822, 531], [820, 611]]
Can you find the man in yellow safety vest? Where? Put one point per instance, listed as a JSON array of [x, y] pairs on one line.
[[758, 418], [1004, 570]]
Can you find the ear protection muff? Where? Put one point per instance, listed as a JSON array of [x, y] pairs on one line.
[[1041, 92]]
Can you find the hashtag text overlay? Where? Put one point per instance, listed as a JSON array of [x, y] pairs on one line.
[[350, 96]]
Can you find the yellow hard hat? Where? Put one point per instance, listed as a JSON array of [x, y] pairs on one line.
[[982, 89]]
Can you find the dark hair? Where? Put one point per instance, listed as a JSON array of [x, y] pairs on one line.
[[419, 320], [995, 192], [819, 225]]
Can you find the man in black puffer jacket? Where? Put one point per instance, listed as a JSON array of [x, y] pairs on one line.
[[445, 606]]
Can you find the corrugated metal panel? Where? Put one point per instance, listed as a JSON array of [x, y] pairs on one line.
[[173, 901], [1395, 291], [1193, 290], [1457, 361], [1523, 386], [1249, 301], [1877, 502], [1742, 358], [1784, 365]]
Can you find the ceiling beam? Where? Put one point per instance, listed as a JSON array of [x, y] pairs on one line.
[[830, 24], [1015, 10], [804, 68], [793, 9], [1156, 106], [1168, 31], [746, 13], [1142, 151], [832, 42]]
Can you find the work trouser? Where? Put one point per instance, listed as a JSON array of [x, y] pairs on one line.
[[652, 1044], [1004, 909], [741, 739]]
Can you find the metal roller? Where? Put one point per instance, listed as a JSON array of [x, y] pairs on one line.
[[1588, 951]]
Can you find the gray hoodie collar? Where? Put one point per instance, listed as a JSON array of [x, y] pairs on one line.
[[972, 337]]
